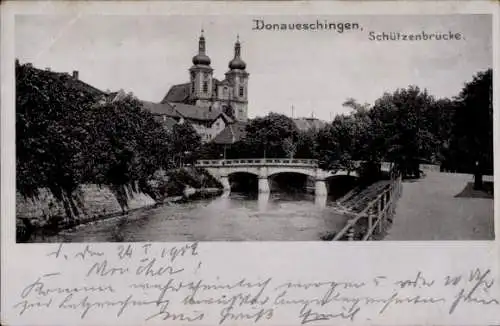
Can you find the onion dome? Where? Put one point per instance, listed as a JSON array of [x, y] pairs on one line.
[[237, 63], [201, 58]]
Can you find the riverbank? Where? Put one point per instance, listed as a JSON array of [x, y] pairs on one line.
[[355, 202], [45, 215]]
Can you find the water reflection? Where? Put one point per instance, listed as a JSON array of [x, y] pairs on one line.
[[320, 201], [263, 200], [231, 217]]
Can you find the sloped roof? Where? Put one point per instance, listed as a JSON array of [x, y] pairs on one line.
[[169, 123], [231, 134], [178, 93], [194, 112], [304, 124], [72, 83], [160, 108]]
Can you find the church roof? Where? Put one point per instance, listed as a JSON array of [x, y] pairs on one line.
[[304, 124], [160, 108], [231, 134], [178, 93], [194, 112]]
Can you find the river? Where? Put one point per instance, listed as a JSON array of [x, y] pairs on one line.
[[230, 217]]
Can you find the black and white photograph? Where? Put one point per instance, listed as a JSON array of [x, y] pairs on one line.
[[170, 128]]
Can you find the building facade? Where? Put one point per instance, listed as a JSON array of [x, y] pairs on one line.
[[203, 90], [207, 103]]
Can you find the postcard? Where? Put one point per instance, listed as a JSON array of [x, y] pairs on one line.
[[241, 163]]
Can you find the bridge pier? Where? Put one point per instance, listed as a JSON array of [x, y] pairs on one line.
[[263, 185], [320, 188], [225, 183], [263, 200], [320, 201]]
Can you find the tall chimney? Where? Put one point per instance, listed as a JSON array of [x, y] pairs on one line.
[[75, 74]]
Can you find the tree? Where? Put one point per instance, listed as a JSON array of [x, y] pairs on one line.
[[185, 142], [69, 134], [472, 141], [51, 131], [128, 144], [357, 107], [306, 146], [402, 133], [336, 143], [441, 119], [265, 136], [289, 147]]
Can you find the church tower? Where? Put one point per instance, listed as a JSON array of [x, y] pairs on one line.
[[201, 76], [238, 80]]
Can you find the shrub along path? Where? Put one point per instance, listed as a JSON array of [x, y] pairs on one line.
[[429, 209]]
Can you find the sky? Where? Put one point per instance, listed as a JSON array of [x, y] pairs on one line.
[[313, 71]]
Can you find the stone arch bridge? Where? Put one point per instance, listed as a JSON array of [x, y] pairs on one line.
[[265, 168]]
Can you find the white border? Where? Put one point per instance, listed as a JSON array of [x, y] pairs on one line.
[[306, 260]]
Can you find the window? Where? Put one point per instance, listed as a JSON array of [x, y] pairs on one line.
[[192, 86], [205, 86], [241, 91]]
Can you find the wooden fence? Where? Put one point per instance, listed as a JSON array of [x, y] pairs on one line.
[[374, 217]]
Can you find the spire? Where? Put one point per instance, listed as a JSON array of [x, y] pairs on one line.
[[237, 63], [237, 47], [201, 58], [201, 43]]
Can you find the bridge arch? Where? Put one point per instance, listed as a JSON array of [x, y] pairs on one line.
[[340, 184], [290, 181], [275, 171], [243, 181], [252, 173]]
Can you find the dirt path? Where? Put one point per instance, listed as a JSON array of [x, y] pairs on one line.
[[429, 210]]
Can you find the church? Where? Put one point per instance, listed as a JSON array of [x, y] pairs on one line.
[[209, 104]]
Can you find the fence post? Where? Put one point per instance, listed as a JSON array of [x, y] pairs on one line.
[[382, 217], [379, 211], [350, 233]]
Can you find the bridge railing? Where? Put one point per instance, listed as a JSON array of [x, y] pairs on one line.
[[385, 166], [376, 214], [257, 161]]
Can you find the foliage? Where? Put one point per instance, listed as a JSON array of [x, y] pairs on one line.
[[68, 134], [127, 143], [51, 135], [472, 137], [307, 144], [402, 128], [185, 143], [265, 136], [174, 181]]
